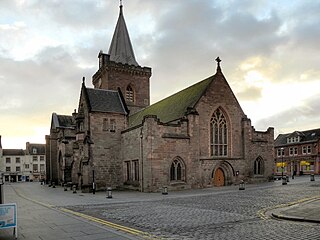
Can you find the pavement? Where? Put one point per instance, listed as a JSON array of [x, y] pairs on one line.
[[42, 221], [308, 211], [46, 213]]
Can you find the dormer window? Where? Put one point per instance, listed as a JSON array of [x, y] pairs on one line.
[[34, 151], [293, 139]]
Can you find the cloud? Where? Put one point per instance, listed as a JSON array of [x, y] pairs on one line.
[[266, 47], [48, 83]]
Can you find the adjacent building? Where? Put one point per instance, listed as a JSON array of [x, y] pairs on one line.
[[199, 137], [297, 153], [23, 164]]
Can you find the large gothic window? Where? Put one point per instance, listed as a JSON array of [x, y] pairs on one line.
[[129, 94], [258, 166], [177, 170], [219, 134]]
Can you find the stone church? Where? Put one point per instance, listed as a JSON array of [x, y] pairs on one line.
[[199, 137]]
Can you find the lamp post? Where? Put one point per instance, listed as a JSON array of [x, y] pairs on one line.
[[284, 179], [282, 168], [1, 188]]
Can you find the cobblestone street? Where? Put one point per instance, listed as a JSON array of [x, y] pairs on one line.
[[214, 213], [227, 215]]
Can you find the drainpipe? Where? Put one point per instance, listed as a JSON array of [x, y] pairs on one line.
[[141, 159]]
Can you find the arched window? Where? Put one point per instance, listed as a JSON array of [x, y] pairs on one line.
[[177, 170], [258, 166], [219, 134], [129, 94]]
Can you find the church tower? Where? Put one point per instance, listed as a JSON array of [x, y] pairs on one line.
[[119, 70]]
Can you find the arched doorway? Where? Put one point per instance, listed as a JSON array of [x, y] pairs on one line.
[[218, 179]]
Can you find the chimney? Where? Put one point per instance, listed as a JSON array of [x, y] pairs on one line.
[[27, 148]]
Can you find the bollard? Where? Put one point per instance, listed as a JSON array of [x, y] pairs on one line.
[[109, 192], [311, 177], [242, 185], [53, 185], [74, 189], [164, 190], [284, 181], [65, 187]]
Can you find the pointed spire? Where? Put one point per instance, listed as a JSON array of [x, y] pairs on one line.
[[121, 49], [218, 60]]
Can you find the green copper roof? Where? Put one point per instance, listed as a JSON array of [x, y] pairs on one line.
[[173, 107]]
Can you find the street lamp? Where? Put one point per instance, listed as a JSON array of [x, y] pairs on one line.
[[282, 167], [284, 180]]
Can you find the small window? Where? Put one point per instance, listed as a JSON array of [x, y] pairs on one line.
[[258, 166], [41, 158], [295, 151], [291, 151], [129, 94], [309, 149], [26, 166], [17, 160], [280, 152], [34, 151], [8, 160], [34, 158], [128, 166], [304, 150], [41, 167], [105, 124], [177, 170], [136, 170], [18, 169], [8, 169], [35, 167], [112, 125]]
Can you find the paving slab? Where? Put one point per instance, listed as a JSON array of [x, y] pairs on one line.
[[38, 222]]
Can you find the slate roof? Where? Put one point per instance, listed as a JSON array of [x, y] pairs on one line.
[[41, 149], [13, 152], [306, 136], [121, 49], [62, 121], [174, 107], [102, 100]]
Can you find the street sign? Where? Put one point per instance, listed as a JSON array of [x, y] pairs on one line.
[[8, 217]]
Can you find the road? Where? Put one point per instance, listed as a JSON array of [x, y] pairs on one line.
[[216, 213]]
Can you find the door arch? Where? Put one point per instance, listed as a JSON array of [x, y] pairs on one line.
[[219, 178]]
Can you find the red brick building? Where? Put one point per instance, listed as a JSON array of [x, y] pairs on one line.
[[198, 137], [297, 153]]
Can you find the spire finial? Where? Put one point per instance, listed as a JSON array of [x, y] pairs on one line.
[[83, 80], [120, 3], [218, 60]]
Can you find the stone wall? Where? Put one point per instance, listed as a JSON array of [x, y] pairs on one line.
[[106, 149], [117, 75]]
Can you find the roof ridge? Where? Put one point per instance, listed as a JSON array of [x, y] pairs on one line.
[[101, 89], [174, 106]]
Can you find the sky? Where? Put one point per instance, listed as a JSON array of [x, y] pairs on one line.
[[269, 50]]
